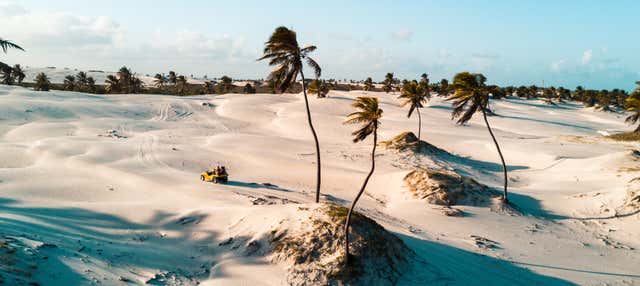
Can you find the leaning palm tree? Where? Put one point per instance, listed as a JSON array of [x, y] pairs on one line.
[[112, 84], [368, 114], [415, 95], [69, 82], [471, 95], [283, 51], [6, 44]]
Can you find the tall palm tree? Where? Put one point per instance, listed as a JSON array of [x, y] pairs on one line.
[[6, 44], [69, 82], [471, 95], [112, 84], [415, 95], [42, 82], [368, 114], [18, 73], [283, 51]]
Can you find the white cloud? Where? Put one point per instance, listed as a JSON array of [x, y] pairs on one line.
[[403, 34], [587, 56], [557, 65]]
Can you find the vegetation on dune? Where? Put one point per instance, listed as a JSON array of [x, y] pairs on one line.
[[368, 114], [283, 51], [470, 96], [442, 187], [377, 256], [319, 87]]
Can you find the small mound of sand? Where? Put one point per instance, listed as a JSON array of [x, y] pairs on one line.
[[447, 188], [407, 141], [314, 254], [633, 195]]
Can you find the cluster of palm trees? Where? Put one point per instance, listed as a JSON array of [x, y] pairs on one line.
[[632, 104], [470, 94], [124, 81], [80, 82]]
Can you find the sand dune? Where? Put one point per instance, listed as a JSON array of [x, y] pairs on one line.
[[107, 189]]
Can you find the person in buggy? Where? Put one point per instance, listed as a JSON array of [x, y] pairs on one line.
[[216, 175]]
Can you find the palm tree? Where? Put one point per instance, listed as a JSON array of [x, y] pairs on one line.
[[424, 80], [248, 88], [112, 84], [69, 82], [208, 87], [6, 44], [415, 96], [181, 84], [173, 78], [283, 51], [91, 84], [226, 83], [18, 73], [444, 87], [125, 78], [632, 104], [320, 87], [159, 80], [7, 74], [42, 82], [471, 95], [368, 114], [388, 82], [368, 84]]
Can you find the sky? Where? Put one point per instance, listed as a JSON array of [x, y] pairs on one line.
[[563, 43]]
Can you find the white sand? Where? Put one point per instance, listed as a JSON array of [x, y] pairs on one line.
[[112, 181]]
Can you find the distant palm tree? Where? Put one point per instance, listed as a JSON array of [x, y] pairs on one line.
[[135, 85], [424, 80], [112, 84], [284, 52], [159, 80], [471, 95], [388, 82], [18, 73], [69, 82], [6, 44], [208, 87], [319, 87], [248, 88], [91, 84], [444, 87], [181, 84], [81, 80], [226, 84], [42, 82], [415, 96], [6, 74], [368, 114], [368, 84], [632, 104], [125, 77], [173, 78]]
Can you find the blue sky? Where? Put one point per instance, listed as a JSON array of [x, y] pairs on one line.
[[569, 43]]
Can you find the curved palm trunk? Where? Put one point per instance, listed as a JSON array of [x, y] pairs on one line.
[[419, 123], [355, 201], [504, 165], [315, 137]]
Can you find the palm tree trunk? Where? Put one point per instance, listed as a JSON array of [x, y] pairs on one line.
[[419, 123], [315, 137], [355, 201], [504, 165]]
